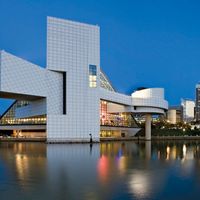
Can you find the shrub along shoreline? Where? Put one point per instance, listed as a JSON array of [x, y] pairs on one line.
[[171, 132]]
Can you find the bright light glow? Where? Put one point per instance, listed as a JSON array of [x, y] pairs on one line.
[[139, 185], [168, 153], [184, 151]]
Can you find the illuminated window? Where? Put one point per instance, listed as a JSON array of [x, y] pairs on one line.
[[92, 76], [115, 119], [8, 118]]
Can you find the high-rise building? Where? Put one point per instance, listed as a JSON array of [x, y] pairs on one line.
[[187, 106], [197, 106]]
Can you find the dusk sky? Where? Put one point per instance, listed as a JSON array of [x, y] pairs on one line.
[[143, 43]]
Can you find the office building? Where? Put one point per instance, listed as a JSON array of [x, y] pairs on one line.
[[197, 103], [188, 107]]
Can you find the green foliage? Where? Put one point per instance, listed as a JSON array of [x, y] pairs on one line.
[[163, 128], [175, 132]]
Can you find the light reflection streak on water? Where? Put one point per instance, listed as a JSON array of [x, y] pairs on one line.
[[139, 184], [103, 167], [168, 153]]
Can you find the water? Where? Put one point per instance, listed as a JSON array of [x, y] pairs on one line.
[[106, 171]]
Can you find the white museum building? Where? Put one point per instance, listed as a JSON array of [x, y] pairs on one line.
[[72, 97]]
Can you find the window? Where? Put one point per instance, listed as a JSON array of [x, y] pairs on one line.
[[92, 76]]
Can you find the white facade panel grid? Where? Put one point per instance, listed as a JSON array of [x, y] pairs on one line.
[[71, 48]]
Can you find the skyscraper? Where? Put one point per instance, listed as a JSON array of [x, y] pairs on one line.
[[197, 106], [187, 110]]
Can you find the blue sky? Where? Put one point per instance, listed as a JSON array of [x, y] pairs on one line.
[[143, 43]]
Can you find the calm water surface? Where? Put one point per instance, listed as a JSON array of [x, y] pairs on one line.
[[115, 170]]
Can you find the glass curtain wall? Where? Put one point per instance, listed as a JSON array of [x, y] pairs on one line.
[[8, 118], [115, 119]]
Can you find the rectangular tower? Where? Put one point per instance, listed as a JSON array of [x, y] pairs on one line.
[[73, 50], [187, 110], [197, 103]]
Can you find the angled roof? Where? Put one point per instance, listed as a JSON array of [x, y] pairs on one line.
[[104, 82]]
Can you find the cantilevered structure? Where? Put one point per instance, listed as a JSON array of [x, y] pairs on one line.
[[72, 95]]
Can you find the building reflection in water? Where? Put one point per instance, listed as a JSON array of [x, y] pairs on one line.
[[148, 150], [103, 171], [72, 171]]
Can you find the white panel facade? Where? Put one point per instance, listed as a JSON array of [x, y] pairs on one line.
[[115, 97], [20, 76], [153, 97], [149, 93], [54, 88], [71, 48]]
